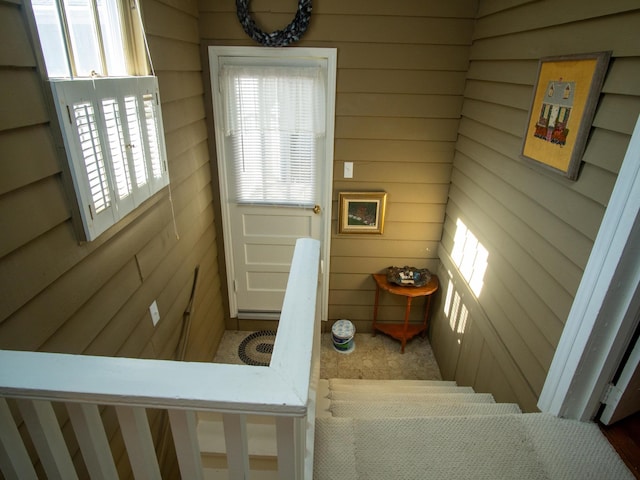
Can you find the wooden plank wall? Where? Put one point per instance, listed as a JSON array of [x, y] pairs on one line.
[[93, 298], [61, 295], [401, 72], [537, 227]]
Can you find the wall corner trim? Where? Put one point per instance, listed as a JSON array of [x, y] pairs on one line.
[[603, 314]]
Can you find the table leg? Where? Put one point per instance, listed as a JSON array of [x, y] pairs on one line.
[[426, 316], [375, 310], [406, 324]]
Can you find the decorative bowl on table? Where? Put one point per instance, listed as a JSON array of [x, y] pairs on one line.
[[408, 276]]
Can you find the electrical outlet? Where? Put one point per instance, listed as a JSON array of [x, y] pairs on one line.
[[155, 313], [348, 169]]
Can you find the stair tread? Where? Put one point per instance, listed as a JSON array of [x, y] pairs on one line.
[[375, 409], [387, 388], [334, 382], [223, 474], [412, 397], [590, 449], [523, 446], [323, 403]]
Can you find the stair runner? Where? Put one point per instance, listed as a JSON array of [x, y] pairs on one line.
[[399, 429]]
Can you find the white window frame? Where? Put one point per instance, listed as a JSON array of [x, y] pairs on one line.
[[131, 35], [144, 153]]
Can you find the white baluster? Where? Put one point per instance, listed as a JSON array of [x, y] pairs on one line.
[[236, 441], [93, 441], [290, 435], [137, 438], [14, 459], [47, 437], [185, 439]]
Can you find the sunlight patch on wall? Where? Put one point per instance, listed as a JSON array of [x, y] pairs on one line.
[[455, 310], [470, 257]]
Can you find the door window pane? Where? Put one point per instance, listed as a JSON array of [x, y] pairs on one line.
[[275, 117]]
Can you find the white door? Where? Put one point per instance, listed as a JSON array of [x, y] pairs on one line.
[[263, 243], [275, 163]]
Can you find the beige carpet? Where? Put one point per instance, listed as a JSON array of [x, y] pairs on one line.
[[508, 447], [382, 430], [574, 450], [478, 448], [418, 409], [413, 397]]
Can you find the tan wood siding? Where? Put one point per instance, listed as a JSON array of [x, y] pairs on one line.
[[15, 51], [25, 106], [585, 35], [400, 84], [487, 7], [58, 294], [21, 166], [537, 227], [436, 8], [52, 284], [42, 202]]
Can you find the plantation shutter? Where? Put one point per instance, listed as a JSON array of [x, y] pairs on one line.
[[118, 158], [274, 117]]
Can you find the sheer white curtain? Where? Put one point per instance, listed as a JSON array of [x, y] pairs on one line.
[[274, 119]]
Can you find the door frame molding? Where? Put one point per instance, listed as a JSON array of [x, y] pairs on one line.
[[603, 316], [330, 56]]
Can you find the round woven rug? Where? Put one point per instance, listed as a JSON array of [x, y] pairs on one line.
[[257, 348]]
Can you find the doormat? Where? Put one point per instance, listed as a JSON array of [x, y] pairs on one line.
[[257, 348]]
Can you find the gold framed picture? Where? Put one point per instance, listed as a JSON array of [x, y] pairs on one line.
[[361, 212], [564, 101]]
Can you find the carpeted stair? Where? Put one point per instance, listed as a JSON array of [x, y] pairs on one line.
[[369, 430]]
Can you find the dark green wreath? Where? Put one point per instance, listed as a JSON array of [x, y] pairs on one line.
[[280, 38]]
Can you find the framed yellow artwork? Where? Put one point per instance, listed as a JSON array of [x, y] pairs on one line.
[[564, 101]]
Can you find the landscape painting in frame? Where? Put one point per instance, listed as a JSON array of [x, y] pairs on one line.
[[564, 102], [361, 212]]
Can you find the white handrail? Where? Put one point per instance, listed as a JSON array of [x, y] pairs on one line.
[[146, 383], [282, 389]]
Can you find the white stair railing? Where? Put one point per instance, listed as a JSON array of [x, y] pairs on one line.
[[38, 383]]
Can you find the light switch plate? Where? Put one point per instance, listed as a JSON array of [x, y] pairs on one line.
[[348, 169], [155, 313]]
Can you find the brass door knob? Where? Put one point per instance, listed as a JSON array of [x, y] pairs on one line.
[[317, 209]]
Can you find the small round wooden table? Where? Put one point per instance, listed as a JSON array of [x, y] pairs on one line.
[[403, 331]]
